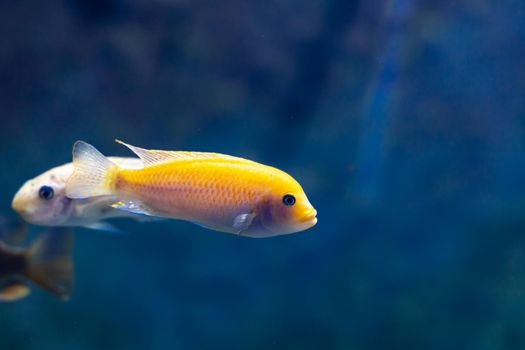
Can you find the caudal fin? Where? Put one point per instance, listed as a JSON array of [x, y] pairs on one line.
[[49, 262], [93, 174]]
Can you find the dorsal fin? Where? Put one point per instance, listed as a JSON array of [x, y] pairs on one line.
[[12, 231], [150, 157]]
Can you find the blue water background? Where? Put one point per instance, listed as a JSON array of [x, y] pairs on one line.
[[403, 120]]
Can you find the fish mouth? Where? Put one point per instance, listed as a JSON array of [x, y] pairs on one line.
[[24, 212], [310, 217], [19, 206]]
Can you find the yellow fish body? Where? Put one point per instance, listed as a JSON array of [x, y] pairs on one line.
[[217, 191]]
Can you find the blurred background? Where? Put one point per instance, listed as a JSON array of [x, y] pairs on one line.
[[403, 120]]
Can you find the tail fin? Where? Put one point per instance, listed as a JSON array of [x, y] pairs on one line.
[[49, 262], [94, 174]]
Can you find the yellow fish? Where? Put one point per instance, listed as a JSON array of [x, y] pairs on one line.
[[217, 191]]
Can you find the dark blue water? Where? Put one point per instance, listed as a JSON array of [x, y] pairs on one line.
[[403, 120]]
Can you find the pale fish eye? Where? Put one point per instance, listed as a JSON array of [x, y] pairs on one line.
[[46, 192], [288, 200]]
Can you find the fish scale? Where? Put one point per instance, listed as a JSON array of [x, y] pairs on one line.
[[204, 189]]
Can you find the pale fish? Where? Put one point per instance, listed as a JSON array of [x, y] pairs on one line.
[[43, 201]]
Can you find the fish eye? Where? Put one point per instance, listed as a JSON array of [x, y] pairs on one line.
[[288, 200], [46, 192]]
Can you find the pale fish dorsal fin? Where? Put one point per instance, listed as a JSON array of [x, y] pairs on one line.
[[150, 157]]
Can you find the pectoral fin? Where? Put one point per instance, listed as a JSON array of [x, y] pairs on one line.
[[14, 291], [134, 206], [242, 222], [103, 226]]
